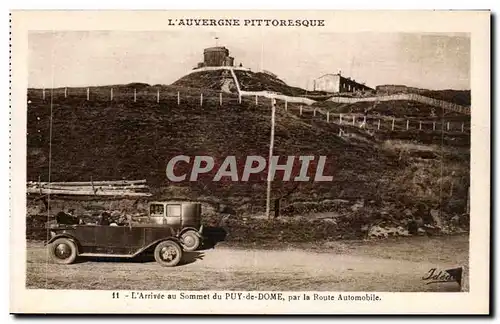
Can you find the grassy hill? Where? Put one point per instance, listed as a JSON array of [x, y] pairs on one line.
[[459, 97], [249, 81], [211, 80], [397, 109], [121, 139], [389, 174], [259, 81]]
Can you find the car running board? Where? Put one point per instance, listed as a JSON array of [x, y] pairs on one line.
[[107, 255]]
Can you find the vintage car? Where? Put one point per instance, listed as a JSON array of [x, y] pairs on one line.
[[170, 230], [183, 217]]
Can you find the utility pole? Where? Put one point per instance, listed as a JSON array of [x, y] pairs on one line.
[[216, 41], [271, 145]]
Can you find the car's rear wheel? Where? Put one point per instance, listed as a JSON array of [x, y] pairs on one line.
[[63, 251], [168, 253], [190, 241]]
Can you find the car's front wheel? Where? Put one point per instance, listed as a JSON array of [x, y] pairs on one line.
[[168, 253], [63, 251]]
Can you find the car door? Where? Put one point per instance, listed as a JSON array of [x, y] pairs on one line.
[[173, 215], [116, 240], [86, 237]]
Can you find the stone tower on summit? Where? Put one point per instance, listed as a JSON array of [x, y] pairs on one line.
[[216, 56]]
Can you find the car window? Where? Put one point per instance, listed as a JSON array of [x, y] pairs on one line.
[[156, 210], [173, 210]]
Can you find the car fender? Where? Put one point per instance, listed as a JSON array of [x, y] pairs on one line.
[[154, 243], [196, 230], [68, 236]]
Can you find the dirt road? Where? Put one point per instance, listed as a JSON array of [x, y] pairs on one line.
[[392, 265]]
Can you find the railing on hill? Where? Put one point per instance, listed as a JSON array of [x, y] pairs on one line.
[[158, 94], [383, 123], [408, 97], [302, 105], [279, 96]]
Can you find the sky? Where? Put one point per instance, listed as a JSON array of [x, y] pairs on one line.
[[87, 58]]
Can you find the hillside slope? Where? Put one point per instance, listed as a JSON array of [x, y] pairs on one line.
[[259, 81], [121, 139], [383, 178], [459, 97], [397, 109], [211, 80], [248, 81]]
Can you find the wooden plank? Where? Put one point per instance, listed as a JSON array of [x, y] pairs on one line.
[[96, 183], [84, 188], [87, 192]]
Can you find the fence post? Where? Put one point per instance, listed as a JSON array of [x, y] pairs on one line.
[[433, 126], [300, 110], [111, 94], [378, 124], [201, 99], [135, 95], [448, 126], [462, 127], [158, 96], [220, 98], [178, 98], [65, 92], [364, 119], [88, 94], [43, 93], [392, 124], [327, 116], [340, 119], [314, 112], [420, 125], [407, 124], [256, 100], [353, 120], [286, 105]]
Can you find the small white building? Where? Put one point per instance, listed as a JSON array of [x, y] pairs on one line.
[[336, 83]]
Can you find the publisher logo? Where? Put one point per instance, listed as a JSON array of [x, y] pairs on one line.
[[438, 276]]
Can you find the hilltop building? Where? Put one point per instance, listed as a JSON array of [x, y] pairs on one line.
[[216, 56], [336, 83]]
